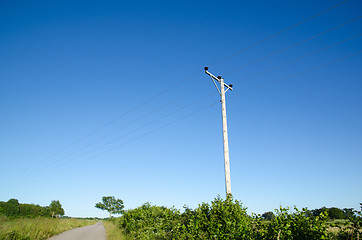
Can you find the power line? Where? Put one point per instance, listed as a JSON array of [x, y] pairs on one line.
[[298, 58], [166, 90], [305, 71], [293, 45], [276, 34], [157, 129], [250, 63], [193, 74], [204, 97], [103, 126], [57, 164], [183, 107], [209, 105], [120, 145]]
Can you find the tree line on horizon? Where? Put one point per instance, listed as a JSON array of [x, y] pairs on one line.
[[333, 213], [13, 209]]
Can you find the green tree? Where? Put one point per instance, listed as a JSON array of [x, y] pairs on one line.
[[12, 208], [317, 212], [268, 215], [348, 212], [335, 213], [353, 230], [56, 208], [30, 210], [2, 208], [111, 204]]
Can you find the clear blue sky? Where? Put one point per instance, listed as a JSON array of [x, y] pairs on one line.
[[96, 100]]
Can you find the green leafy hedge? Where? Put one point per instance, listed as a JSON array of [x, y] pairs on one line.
[[228, 219]]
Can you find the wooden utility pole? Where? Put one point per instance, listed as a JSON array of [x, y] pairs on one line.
[[222, 92]]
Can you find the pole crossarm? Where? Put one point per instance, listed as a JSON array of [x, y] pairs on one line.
[[230, 86]]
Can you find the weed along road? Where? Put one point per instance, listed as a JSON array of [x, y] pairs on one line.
[[92, 232]]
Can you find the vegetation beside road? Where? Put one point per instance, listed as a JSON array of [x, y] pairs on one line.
[[37, 228], [221, 219], [113, 231], [228, 219], [22, 221]]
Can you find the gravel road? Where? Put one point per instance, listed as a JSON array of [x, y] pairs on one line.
[[92, 232]]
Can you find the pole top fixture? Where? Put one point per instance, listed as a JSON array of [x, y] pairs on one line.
[[219, 77], [206, 68]]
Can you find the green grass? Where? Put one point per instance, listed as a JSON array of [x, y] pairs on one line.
[[113, 232], [37, 229]]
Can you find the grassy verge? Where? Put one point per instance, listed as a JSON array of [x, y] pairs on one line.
[[113, 232], [37, 229]]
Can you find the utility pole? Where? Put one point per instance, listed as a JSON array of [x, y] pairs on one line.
[[222, 92]]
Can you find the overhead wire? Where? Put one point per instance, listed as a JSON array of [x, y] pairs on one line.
[[125, 143], [250, 63], [298, 58], [196, 72], [302, 72], [117, 130], [199, 100], [293, 45], [58, 164], [204, 97], [173, 86], [102, 127], [276, 34], [212, 104]]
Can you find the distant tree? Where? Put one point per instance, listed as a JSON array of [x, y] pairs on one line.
[[45, 212], [348, 212], [308, 213], [111, 204], [56, 208], [335, 213], [12, 208], [2, 208], [30, 210], [317, 212], [268, 215]]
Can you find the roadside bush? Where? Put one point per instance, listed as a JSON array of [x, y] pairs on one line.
[[354, 229], [223, 219], [228, 219], [296, 225], [149, 222]]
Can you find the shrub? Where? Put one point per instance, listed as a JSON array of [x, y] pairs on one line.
[[223, 219], [296, 225], [227, 219], [149, 222]]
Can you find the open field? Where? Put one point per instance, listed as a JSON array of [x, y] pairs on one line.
[[39, 228]]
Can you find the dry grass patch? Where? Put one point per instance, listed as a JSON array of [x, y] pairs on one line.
[[113, 232], [39, 228]]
